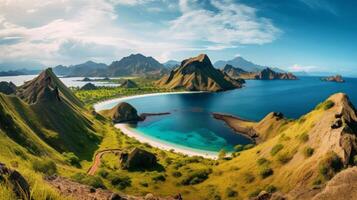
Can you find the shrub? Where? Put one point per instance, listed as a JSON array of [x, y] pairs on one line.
[[265, 172], [248, 177], [231, 193], [176, 174], [71, 158], [144, 184], [196, 177], [255, 192], [238, 148], [330, 165], [328, 104], [262, 161], [355, 160], [271, 189], [103, 173], [222, 154], [159, 177], [119, 180], [276, 149], [308, 151], [284, 158], [304, 137], [47, 167], [93, 181], [248, 146]]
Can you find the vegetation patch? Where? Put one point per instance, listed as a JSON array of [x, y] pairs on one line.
[[330, 165], [276, 149], [196, 177], [284, 158], [325, 105], [231, 193], [304, 137], [119, 180], [263, 161], [266, 172], [47, 167], [248, 177], [271, 189], [71, 158], [308, 151]]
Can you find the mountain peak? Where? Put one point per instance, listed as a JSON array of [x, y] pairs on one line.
[[202, 58]]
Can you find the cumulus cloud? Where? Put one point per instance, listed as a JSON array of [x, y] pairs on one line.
[[71, 31], [226, 23]]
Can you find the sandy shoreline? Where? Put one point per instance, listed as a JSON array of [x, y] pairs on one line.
[[165, 146], [97, 106], [152, 141]]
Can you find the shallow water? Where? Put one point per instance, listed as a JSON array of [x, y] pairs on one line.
[[191, 124]]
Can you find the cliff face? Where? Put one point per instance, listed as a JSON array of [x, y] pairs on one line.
[[198, 74], [233, 71]]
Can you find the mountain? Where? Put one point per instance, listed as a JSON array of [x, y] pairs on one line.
[[198, 74], [86, 69], [49, 111], [135, 65], [265, 74], [19, 72], [172, 64], [241, 63]]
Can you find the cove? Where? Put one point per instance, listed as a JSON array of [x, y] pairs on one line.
[[191, 124]]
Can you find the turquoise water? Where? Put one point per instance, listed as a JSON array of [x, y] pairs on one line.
[[190, 123]]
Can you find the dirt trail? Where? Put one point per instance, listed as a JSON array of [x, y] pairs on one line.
[[97, 159]]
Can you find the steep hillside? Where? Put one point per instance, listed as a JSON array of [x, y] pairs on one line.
[[198, 74], [233, 72], [267, 74], [135, 65], [298, 158]]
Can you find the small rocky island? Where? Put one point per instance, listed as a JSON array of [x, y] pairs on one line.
[[336, 78], [123, 112], [265, 74]]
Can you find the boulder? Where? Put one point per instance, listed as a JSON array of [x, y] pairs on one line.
[[138, 159], [18, 183], [7, 87], [123, 112]]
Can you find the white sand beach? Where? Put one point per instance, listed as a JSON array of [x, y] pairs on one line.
[[165, 146], [98, 106]]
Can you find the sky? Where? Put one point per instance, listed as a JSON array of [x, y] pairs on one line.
[[295, 35]]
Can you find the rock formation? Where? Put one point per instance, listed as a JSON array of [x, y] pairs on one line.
[[198, 74], [129, 84], [17, 182], [337, 78], [123, 112], [233, 71], [7, 87], [89, 86], [138, 159]]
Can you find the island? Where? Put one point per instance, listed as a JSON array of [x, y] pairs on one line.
[[336, 78]]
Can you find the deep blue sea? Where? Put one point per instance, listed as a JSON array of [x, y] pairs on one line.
[[190, 123]]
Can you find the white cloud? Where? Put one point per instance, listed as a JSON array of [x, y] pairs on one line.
[[68, 31], [231, 23]]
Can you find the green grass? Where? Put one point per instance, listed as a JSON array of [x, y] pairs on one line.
[[276, 149]]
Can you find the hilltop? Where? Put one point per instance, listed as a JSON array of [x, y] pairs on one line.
[[198, 74]]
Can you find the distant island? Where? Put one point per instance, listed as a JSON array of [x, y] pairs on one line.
[[265, 74], [336, 78]]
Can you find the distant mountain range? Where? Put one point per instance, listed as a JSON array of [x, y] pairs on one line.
[[19, 72], [240, 62], [132, 65], [172, 64]]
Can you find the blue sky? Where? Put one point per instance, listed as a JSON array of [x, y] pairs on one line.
[[310, 35]]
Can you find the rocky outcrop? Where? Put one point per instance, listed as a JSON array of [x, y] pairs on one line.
[[128, 84], [16, 181], [198, 74], [89, 86], [7, 87], [341, 187], [138, 159], [337, 78], [123, 112]]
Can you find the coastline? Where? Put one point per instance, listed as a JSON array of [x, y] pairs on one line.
[[240, 126], [100, 104], [165, 146]]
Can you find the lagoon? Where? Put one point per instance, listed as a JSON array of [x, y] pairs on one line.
[[190, 123]]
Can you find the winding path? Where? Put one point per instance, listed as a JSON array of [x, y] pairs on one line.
[[97, 159]]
